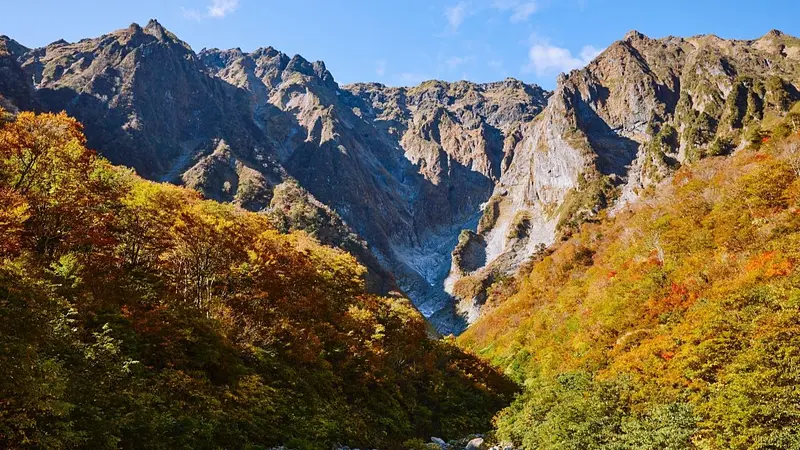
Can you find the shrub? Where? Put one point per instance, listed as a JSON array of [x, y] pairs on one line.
[[520, 225], [719, 146], [491, 212]]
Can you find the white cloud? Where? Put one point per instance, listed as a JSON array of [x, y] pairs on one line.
[[545, 59], [192, 14], [380, 67], [218, 9], [523, 11], [496, 63], [456, 15], [520, 10], [221, 8]]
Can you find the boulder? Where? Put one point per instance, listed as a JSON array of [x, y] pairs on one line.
[[476, 444]]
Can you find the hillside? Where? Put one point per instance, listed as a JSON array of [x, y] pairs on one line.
[[670, 324], [137, 315]]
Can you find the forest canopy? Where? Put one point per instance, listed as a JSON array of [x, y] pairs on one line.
[[138, 315]]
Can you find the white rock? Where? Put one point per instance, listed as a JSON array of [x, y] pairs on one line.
[[475, 444]]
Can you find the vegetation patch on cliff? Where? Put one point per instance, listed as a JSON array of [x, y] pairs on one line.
[[594, 192]]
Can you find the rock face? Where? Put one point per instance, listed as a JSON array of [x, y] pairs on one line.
[[633, 115], [15, 90], [406, 168], [450, 141], [395, 174], [145, 100]]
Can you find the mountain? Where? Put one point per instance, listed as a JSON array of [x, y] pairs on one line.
[[624, 248], [670, 324], [416, 162], [445, 188], [15, 91], [136, 314], [640, 110], [145, 98]]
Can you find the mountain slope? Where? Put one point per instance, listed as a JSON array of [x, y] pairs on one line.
[[672, 324], [409, 169], [148, 103], [137, 315], [15, 91], [144, 96], [640, 110], [417, 163]]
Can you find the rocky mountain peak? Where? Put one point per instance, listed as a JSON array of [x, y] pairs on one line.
[[317, 69], [509, 82], [624, 122], [135, 36], [215, 59], [12, 47], [635, 35], [154, 28], [774, 34], [269, 56], [135, 28], [58, 43], [267, 52], [298, 64]]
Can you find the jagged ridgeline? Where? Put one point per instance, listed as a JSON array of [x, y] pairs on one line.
[[395, 175], [138, 315]]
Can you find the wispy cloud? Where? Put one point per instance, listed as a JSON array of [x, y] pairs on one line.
[[524, 11], [192, 14], [590, 52], [456, 14], [546, 59], [217, 9], [221, 8], [520, 10]]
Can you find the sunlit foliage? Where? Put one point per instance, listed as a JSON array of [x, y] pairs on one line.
[[137, 315], [674, 324]]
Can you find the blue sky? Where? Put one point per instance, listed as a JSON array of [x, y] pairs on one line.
[[405, 42]]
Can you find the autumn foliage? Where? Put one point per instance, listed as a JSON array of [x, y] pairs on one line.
[[137, 315], [674, 324]]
